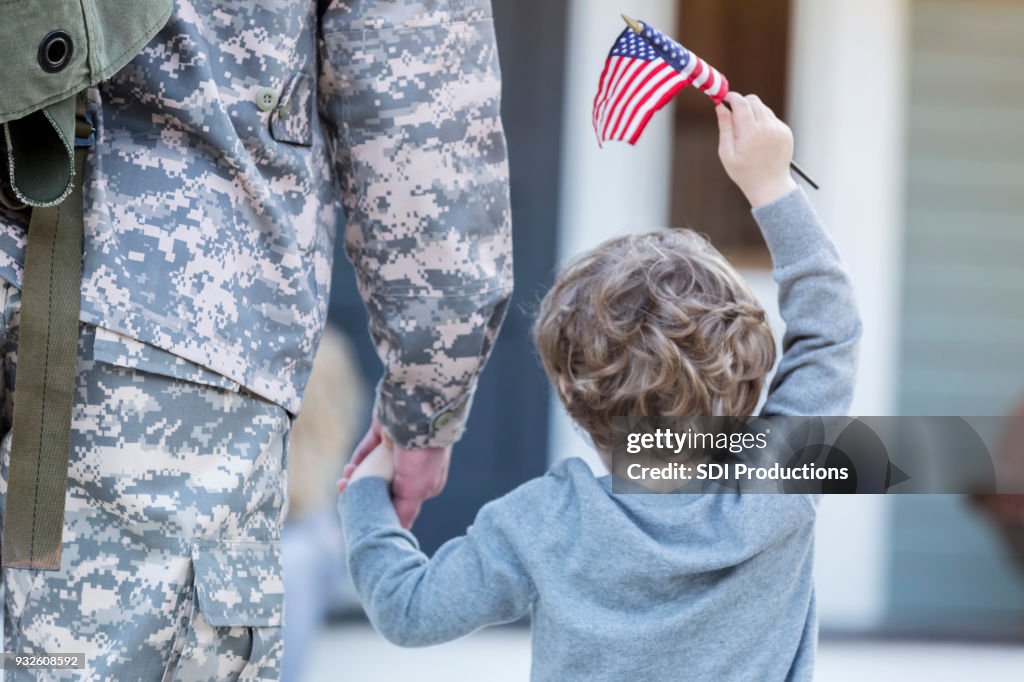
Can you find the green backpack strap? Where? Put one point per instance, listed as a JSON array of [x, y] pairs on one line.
[[51, 49], [45, 384]]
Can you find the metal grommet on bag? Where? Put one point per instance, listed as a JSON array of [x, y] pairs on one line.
[[55, 51]]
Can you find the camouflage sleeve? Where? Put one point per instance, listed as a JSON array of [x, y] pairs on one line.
[[410, 90]]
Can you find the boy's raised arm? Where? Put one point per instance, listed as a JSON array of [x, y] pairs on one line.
[[819, 361], [815, 375]]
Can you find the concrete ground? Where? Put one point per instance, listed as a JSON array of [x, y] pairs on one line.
[[354, 653]]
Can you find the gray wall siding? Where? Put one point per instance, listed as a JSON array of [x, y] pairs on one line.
[[963, 296]]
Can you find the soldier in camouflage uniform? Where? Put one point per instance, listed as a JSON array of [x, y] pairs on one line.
[[223, 153]]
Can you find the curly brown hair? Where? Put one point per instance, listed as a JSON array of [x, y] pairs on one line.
[[656, 324]]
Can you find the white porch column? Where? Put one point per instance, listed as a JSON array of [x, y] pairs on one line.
[[847, 106], [605, 192]]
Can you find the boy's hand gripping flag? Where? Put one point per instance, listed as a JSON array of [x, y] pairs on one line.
[[644, 71]]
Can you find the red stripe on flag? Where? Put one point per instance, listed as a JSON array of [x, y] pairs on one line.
[[653, 103], [697, 70], [600, 89], [664, 76], [613, 68], [723, 91], [602, 94], [665, 99], [635, 96], [623, 94], [713, 76], [630, 68], [628, 97]]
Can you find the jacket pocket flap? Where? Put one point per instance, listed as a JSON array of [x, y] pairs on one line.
[[292, 120], [239, 583], [121, 351]]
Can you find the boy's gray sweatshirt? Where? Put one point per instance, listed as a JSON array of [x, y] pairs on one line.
[[638, 587]]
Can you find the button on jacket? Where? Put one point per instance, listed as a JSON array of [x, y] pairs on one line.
[[229, 149]]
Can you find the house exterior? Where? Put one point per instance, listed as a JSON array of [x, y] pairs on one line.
[[909, 113]]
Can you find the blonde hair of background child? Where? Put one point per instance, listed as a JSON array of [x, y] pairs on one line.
[[325, 432]]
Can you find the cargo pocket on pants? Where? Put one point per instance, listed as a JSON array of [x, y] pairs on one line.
[[230, 627]]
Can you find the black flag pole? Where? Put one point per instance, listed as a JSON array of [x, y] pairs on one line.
[[803, 174], [638, 28]]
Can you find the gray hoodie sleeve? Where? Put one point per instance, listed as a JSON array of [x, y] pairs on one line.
[[471, 581], [819, 362]]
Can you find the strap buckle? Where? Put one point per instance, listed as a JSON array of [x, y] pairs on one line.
[[85, 131]]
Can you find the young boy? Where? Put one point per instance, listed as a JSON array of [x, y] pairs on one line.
[[646, 587]]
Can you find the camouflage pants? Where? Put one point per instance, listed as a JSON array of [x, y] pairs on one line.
[[171, 566]]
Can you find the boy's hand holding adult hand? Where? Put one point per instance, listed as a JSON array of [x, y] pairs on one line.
[[415, 476], [756, 149], [379, 463]]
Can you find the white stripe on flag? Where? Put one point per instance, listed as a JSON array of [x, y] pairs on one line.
[[625, 97], [614, 70], [625, 91], [615, 94], [602, 95], [723, 87], [638, 101], [651, 102], [716, 82], [704, 75]]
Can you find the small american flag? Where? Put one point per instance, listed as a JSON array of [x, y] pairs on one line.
[[643, 73]]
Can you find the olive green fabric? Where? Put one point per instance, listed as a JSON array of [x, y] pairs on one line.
[[40, 157], [47, 343], [105, 35], [38, 104], [50, 53]]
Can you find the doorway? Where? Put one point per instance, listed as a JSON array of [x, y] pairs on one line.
[[749, 43]]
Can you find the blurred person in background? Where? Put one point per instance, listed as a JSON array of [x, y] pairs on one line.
[[1007, 511], [316, 580]]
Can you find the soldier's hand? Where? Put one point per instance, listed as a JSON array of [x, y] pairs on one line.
[[419, 476]]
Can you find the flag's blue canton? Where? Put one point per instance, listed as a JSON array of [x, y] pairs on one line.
[[671, 51], [632, 46]]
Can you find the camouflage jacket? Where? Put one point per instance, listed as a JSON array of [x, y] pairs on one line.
[[223, 153]]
